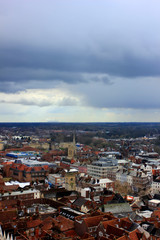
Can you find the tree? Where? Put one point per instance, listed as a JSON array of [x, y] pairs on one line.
[[123, 188]]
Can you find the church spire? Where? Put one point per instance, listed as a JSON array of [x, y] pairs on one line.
[[74, 138]]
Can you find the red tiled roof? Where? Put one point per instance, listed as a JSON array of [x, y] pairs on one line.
[[33, 223], [28, 169], [125, 223], [93, 221], [37, 169], [7, 163], [134, 235], [47, 223], [71, 233], [64, 223], [10, 188], [8, 215], [46, 167], [47, 226], [156, 213], [110, 222], [87, 236], [21, 167], [123, 238]]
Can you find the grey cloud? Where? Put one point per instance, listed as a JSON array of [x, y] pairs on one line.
[[20, 69], [128, 65], [28, 102], [81, 42], [89, 45], [142, 93], [66, 101], [20, 78], [11, 87]]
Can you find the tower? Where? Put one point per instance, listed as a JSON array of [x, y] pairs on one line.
[[72, 148]]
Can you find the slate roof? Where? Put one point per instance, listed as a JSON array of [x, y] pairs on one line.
[[156, 196], [137, 204], [80, 202], [156, 232], [117, 199], [135, 217], [148, 226]]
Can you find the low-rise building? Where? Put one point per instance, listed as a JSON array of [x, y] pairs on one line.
[[141, 181], [153, 204], [155, 187], [21, 195], [21, 172], [56, 180]]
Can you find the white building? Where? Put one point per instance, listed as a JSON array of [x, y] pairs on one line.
[[25, 195], [56, 179], [155, 187], [99, 169], [130, 180]]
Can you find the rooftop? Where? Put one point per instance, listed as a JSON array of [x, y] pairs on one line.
[[154, 201], [33, 163], [29, 191], [42, 208], [21, 185]]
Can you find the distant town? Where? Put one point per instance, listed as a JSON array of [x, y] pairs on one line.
[[72, 181]]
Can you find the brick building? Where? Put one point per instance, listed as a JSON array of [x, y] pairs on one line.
[[23, 173]]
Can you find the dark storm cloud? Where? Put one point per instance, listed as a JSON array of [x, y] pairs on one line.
[[128, 66], [63, 40], [22, 69], [111, 45], [18, 66]]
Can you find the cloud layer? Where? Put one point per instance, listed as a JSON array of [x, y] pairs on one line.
[[80, 55]]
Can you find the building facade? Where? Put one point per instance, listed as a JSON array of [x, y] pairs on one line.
[[101, 168]]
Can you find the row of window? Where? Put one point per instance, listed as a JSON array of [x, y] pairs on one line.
[[37, 174]]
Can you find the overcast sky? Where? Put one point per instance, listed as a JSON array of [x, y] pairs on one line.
[[79, 60]]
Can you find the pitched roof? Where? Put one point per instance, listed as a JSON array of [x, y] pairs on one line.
[[93, 221], [80, 201], [33, 223], [156, 213], [71, 233], [47, 223], [110, 222], [87, 236], [64, 223]]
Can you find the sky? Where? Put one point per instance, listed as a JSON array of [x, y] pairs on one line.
[[79, 61]]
